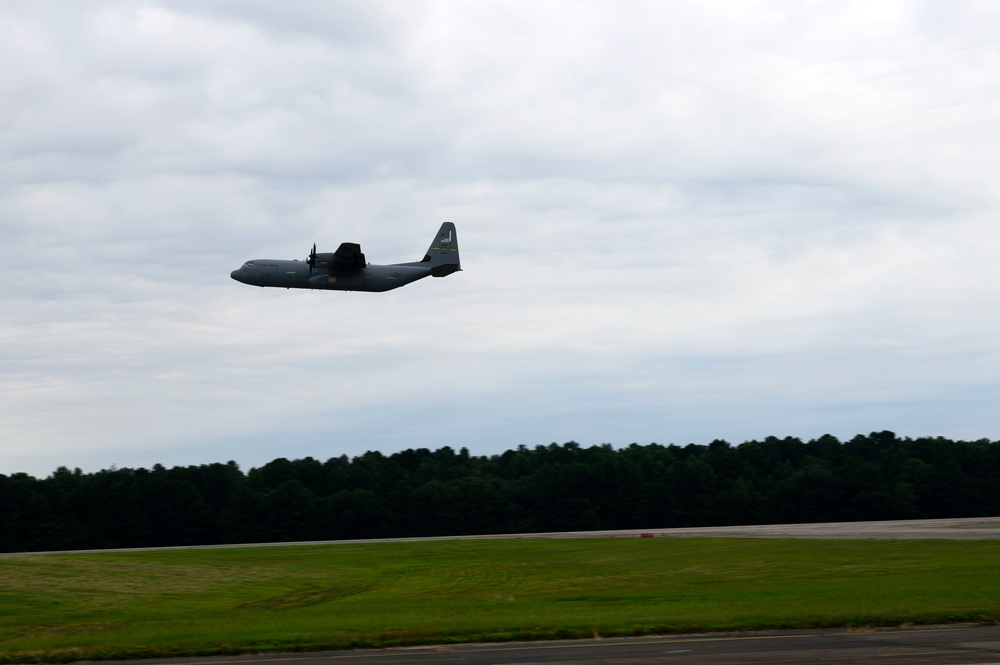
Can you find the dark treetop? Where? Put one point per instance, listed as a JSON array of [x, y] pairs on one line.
[[547, 488]]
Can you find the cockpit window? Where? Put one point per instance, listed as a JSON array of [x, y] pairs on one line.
[[248, 264]]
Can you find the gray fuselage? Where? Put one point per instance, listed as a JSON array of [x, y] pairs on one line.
[[297, 275]]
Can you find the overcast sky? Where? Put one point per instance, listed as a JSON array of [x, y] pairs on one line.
[[679, 221]]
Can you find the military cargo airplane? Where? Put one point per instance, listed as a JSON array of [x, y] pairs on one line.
[[346, 269]]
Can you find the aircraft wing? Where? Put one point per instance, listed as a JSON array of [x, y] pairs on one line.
[[349, 255]]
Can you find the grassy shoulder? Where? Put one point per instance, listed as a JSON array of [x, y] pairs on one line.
[[199, 602]]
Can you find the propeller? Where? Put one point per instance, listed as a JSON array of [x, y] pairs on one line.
[[312, 259]]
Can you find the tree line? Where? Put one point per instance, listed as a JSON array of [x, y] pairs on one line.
[[557, 487]]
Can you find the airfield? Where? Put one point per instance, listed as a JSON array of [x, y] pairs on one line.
[[862, 573]]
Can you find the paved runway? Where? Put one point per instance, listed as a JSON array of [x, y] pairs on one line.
[[969, 528], [941, 645], [961, 528]]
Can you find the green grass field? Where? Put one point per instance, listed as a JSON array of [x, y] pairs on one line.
[[198, 602]]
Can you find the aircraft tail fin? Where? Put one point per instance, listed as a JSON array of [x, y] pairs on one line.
[[443, 252]]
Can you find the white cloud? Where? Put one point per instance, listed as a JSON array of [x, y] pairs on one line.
[[678, 222]]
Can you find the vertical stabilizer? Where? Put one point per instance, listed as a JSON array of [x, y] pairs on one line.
[[443, 252]]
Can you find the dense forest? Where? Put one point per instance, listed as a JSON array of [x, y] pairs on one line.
[[547, 488]]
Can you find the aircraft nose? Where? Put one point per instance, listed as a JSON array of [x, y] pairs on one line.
[[235, 275]]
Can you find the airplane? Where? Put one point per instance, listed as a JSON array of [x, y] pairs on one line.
[[346, 269]]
